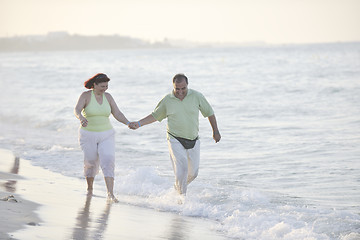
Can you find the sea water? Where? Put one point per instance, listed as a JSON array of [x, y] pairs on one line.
[[288, 163]]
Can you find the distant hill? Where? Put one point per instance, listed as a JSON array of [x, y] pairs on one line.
[[64, 41]]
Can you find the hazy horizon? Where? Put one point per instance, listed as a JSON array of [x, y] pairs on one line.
[[219, 21], [50, 35]]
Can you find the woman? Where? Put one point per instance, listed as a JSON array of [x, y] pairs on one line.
[[96, 134]]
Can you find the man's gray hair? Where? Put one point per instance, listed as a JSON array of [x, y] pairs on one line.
[[179, 77]]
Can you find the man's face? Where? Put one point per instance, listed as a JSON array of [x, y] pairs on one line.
[[180, 89]]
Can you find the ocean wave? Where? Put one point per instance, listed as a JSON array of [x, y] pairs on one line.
[[56, 148], [242, 213]]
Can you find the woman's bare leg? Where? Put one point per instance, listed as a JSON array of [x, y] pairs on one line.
[[110, 188], [90, 183]]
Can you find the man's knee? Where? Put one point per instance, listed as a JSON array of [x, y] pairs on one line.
[[192, 176], [181, 174]]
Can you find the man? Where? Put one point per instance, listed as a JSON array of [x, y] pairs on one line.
[[181, 107]]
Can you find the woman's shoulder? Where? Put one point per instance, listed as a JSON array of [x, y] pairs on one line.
[[108, 96], [85, 98], [86, 94]]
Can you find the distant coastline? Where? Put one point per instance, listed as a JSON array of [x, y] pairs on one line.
[[58, 41], [63, 41]]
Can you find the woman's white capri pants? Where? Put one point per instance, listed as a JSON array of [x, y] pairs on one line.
[[99, 149]]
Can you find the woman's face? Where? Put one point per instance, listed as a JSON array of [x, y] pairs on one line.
[[101, 87]]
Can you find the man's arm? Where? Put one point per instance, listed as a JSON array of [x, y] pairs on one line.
[[146, 120], [213, 123]]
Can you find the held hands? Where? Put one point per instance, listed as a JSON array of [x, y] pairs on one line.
[[134, 125]]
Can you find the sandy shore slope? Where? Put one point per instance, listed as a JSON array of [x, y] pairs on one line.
[[15, 211], [47, 205]]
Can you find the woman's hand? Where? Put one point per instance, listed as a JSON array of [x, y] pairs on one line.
[[134, 125], [83, 122]]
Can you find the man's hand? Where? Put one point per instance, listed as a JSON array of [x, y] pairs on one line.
[[216, 136], [134, 125]]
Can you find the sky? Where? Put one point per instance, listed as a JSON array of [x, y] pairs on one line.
[[221, 21]]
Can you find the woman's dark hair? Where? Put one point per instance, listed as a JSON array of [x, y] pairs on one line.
[[180, 76], [98, 78]]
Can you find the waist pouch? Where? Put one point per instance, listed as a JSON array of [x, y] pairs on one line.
[[187, 143]]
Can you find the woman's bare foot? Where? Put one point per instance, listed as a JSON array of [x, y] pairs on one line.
[[112, 198], [90, 192]]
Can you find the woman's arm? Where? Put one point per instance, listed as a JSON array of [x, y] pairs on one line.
[[118, 115], [80, 105]]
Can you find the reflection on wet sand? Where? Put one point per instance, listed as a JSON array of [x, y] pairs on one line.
[[177, 229], [99, 231], [84, 222], [10, 185]]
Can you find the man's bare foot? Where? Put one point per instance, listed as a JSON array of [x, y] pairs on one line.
[[181, 199]]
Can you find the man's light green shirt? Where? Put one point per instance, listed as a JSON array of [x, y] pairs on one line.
[[183, 116]]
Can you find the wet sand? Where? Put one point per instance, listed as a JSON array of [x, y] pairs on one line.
[[51, 206]]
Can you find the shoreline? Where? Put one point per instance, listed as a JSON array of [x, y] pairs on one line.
[[52, 206], [19, 212]]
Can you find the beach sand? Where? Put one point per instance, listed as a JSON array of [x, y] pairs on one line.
[[48, 205], [15, 212]]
